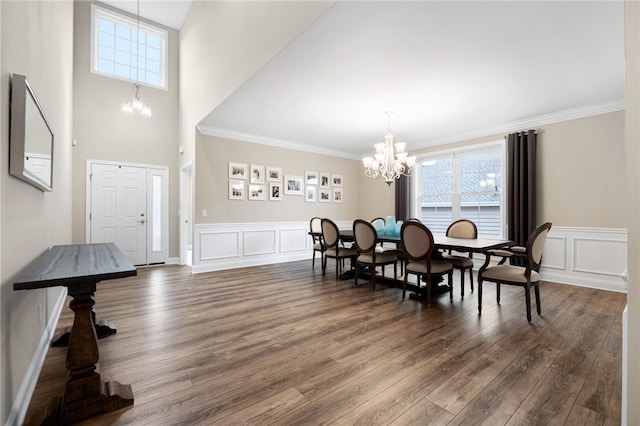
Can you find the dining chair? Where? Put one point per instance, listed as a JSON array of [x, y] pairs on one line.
[[333, 249], [462, 228], [315, 230], [526, 276], [418, 246], [366, 244]]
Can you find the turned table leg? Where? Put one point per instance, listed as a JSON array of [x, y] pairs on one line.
[[85, 393]]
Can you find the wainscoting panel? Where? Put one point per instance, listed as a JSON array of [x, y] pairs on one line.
[[589, 257]]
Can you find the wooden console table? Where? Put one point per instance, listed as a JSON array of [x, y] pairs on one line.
[[80, 267]]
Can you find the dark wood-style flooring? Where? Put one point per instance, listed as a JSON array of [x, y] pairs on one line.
[[280, 344]]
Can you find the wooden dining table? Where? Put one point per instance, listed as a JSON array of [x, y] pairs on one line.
[[441, 242]]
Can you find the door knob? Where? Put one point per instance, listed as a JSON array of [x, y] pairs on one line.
[[141, 221]]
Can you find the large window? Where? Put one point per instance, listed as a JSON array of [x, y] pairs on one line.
[[463, 184], [119, 50]]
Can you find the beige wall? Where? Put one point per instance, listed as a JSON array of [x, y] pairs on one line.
[[104, 132], [632, 134], [37, 42], [212, 189]]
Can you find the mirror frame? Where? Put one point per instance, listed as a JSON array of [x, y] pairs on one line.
[[20, 90]]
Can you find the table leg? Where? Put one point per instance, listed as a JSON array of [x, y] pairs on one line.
[[104, 328], [85, 393]]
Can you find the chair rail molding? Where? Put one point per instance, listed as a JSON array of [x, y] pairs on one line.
[[218, 246]]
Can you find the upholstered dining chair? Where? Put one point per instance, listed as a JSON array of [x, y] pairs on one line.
[[333, 249], [315, 230], [366, 241], [526, 276], [418, 246], [462, 228]]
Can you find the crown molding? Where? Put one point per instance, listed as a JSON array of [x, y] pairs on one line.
[[527, 123], [279, 143]]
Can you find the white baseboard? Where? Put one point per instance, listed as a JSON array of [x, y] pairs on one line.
[[28, 385]]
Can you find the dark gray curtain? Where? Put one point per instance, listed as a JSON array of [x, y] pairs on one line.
[[521, 185], [403, 197]]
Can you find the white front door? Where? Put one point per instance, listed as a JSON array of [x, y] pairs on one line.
[[119, 209]]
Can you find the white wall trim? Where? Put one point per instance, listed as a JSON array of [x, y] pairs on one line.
[[219, 246], [28, 385], [587, 257]]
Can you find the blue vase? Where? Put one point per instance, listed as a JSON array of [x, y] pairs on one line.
[[398, 227], [390, 225]]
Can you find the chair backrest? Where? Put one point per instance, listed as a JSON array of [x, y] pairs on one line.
[[330, 233], [535, 244], [462, 228], [315, 225], [365, 236], [414, 219], [417, 240]]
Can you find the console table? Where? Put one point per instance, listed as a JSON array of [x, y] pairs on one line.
[[79, 267]]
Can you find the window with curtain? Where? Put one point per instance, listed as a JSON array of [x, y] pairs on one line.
[[119, 51], [462, 184]]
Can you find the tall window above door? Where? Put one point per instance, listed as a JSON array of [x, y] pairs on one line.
[[462, 184], [120, 51]]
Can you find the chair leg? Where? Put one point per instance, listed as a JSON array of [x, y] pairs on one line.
[[324, 266], [355, 283], [479, 296], [450, 275], [498, 293], [536, 290], [462, 283], [404, 286], [373, 275], [527, 298], [471, 278]]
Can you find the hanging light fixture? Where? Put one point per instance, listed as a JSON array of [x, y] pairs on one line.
[[391, 160], [135, 104]]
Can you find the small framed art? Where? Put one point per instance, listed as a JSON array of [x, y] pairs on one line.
[[238, 171], [336, 180], [311, 178], [257, 192], [275, 191], [324, 195], [337, 195], [257, 173], [311, 193], [293, 185], [274, 174], [236, 190], [325, 180]]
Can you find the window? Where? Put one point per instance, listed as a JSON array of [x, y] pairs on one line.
[[463, 184], [119, 51]]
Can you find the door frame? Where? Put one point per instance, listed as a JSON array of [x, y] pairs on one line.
[[152, 170], [186, 199]]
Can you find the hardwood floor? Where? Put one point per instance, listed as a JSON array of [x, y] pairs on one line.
[[282, 345]]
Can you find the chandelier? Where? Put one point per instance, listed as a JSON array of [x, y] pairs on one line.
[[390, 160], [136, 104]]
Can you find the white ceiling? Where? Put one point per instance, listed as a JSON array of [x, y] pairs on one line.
[[170, 13], [448, 70]]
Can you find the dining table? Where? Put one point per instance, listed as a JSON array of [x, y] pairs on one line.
[[441, 242]]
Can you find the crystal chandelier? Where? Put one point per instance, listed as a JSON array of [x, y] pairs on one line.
[[390, 161], [136, 104]]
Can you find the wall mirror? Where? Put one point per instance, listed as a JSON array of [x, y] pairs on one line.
[[31, 138]]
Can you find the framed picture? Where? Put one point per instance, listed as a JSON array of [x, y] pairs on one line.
[[293, 185], [238, 171], [311, 178], [257, 192], [274, 174], [236, 190], [324, 195], [337, 195], [275, 191], [336, 180], [311, 194], [325, 181], [257, 173]]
